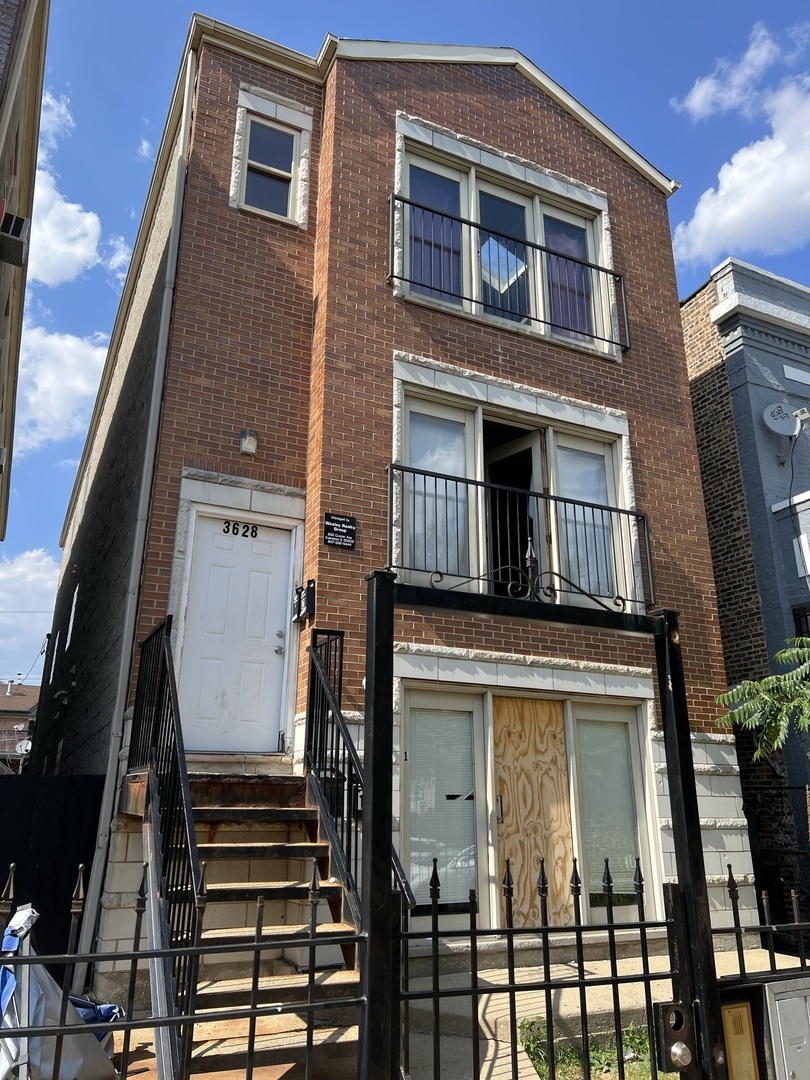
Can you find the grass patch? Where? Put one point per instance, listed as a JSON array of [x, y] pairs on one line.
[[568, 1058]]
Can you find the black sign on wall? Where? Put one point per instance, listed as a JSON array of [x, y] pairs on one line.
[[339, 530]]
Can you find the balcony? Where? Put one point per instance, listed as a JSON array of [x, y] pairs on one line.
[[457, 534], [459, 264]]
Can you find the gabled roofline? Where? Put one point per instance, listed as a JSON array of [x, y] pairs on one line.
[[333, 48]]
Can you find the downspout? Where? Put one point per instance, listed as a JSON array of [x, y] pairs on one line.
[[117, 761]]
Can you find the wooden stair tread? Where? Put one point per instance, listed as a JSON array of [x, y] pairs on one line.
[[213, 1054], [240, 934], [325, 887], [255, 812], [264, 850], [339, 975], [335, 983]]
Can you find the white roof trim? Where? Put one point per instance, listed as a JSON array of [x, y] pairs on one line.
[[351, 49], [317, 68]]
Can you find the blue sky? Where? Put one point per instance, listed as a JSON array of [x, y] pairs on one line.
[[717, 97]]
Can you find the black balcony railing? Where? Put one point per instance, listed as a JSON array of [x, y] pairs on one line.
[[520, 544], [461, 263]]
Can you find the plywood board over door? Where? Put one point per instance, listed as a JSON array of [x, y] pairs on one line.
[[531, 782]]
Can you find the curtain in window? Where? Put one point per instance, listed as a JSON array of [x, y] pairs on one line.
[[442, 804], [435, 237], [568, 282], [437, 507], [586, 545], [607, 807]]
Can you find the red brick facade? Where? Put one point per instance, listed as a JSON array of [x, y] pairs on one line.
[[274, 325]]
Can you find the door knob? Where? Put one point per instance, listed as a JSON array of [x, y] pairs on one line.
[[279, 649]]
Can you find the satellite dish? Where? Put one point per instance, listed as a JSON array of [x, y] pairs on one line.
[[781, 421], [23, 747]]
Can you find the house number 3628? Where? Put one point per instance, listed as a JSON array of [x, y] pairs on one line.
[[239, 528]]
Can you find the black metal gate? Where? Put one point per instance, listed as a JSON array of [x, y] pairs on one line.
[[688, 1031]]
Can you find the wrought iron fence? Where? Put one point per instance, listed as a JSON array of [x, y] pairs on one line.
[[512, 542], [475, 269], [585, 985], [140, 1029], [156, 745], [783, 941]]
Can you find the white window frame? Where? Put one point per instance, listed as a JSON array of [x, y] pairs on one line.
[[487, 169], [575, 710], [473, 415], [258, 106]]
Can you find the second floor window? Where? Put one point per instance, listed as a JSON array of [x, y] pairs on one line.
[[520, 511]]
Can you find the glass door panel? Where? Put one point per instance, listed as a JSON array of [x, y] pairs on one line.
[[442, 818], [584, 532], [568, 283], [435, 255], [437, 509], [607, 808], [503, 257]]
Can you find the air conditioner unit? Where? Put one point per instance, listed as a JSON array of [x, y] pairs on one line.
[[14, 233]]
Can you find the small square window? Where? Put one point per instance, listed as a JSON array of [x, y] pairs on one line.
[[271, 157]]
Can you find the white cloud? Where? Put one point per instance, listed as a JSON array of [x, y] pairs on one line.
[[27, 584], [760, 204], [145, 151], [117, 253], [732, 85], [64, 236], [59, 375], [56, 120]]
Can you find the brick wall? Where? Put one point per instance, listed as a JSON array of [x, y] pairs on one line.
[[293, 332], [239, 353], [360, 323], [738, 602]]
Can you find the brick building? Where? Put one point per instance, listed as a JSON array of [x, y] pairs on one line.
[[747, 335], [408, 306]]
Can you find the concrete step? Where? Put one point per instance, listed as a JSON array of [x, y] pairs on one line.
[[277, 989]]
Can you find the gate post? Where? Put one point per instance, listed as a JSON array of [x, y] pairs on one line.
[[689, 845], [379, 1051]]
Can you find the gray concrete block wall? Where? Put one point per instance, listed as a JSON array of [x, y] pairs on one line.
[[82, 666]]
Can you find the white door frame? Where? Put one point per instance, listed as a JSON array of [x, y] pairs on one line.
[[272, 521]]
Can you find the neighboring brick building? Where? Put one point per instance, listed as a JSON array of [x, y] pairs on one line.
[[747, 335], [518, 360], [23, 33]]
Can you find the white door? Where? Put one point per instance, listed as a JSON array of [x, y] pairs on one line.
[[235, 642]]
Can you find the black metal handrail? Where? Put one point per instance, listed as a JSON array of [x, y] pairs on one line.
[[156, 745], [335, 770], [461, 262], [525, 545]]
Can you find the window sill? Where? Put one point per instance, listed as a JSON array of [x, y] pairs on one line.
[[279, 218], [604, 351]]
